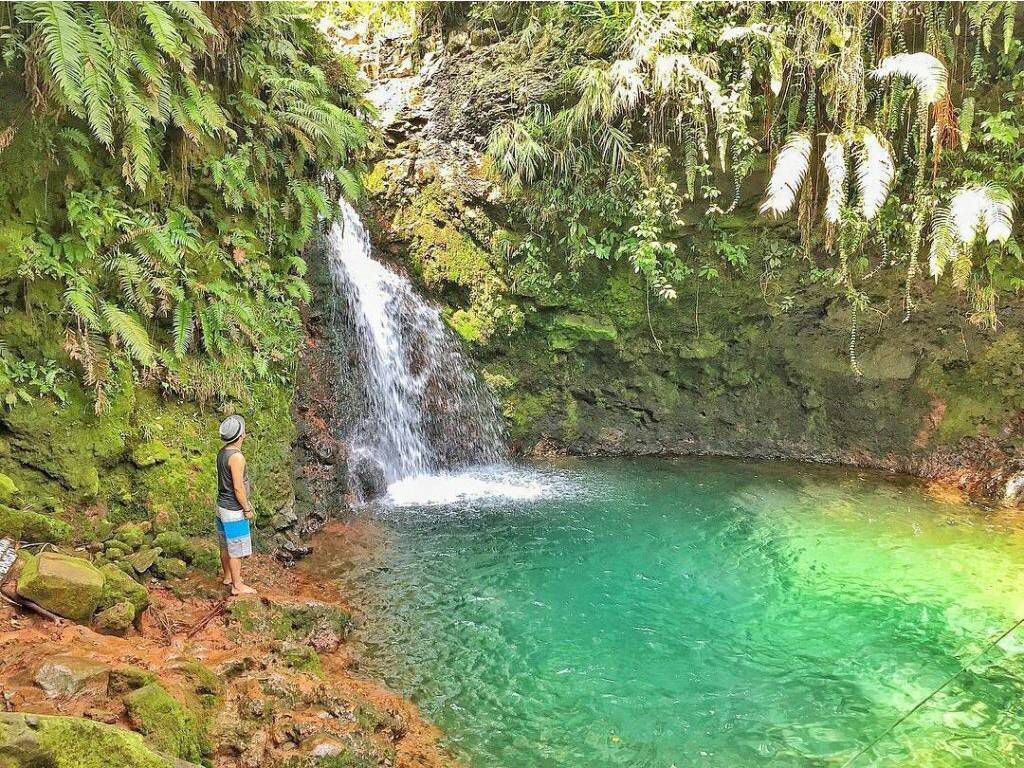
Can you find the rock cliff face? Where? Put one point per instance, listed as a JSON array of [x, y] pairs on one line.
[[754, 364]]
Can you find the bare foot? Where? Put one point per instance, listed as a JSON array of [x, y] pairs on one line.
[[227, 582], [243, 589]]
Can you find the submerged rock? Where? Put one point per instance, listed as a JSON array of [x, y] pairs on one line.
[[68, 586]]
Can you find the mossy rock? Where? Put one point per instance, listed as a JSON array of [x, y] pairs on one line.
[[118, 587], [302, 658], [149, 454], [169, 568], [8, 490], [167, 724], [131, 536], [144, 559], [568, 330], [32, 526], [126, 679], [68, 586], [115, 550], [44, 741], [115, 620], [174, 544]]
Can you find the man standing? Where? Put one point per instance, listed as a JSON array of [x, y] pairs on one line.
[[234, 510]]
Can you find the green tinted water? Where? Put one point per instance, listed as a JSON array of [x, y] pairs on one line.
[[709, 613]]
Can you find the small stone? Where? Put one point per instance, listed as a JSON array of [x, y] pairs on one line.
[[67, 675], [115, 620], [143, 560], [326, 748]]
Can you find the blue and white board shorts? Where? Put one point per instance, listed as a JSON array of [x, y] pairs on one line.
[[233, 532]]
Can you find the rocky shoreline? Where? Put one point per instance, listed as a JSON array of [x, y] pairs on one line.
[[203, 680]]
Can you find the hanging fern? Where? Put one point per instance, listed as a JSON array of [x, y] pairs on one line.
[[788, 174]]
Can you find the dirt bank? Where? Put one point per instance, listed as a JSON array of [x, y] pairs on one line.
[[267, 681]]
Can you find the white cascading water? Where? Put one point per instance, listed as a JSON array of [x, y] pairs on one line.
[[424, 412]]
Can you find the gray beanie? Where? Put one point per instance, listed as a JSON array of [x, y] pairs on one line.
[[232, 428]]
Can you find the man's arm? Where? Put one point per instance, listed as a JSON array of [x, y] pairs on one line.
[[237, 464]]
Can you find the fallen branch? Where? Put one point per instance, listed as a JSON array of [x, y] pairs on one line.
[[216, 611], [163, 623], [30, 606]]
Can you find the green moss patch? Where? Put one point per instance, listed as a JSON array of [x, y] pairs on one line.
[[168, 725], [32, 526], [70, 742]]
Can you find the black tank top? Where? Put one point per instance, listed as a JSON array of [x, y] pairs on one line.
[[226, 498]]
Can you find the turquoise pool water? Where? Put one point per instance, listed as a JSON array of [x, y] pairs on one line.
[[701, 613]]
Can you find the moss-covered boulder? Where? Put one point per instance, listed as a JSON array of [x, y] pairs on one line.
[[115, 620], [8, 489], [32, 526], [168, 725], [41, 741], [169, 568], [119, 587], [174, 544], [144, 559], [68, 586], [131, 536]]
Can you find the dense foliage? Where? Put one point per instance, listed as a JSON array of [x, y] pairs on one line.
[[889, 128], [161, 167]]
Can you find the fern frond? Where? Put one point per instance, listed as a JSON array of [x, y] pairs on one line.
[[834, 160], [788, 175], [130, 332], [184, 325], [926, 72], [874, 173]]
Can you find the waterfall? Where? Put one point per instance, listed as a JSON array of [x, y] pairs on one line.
[[423, 411]]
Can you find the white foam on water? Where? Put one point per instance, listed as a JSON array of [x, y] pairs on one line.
[[486, 485]]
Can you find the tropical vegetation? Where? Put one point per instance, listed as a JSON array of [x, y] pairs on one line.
[[887, 130], [162, 166]]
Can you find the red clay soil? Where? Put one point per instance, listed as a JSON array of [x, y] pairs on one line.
[[192, 622]]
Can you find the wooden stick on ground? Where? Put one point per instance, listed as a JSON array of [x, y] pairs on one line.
[[201, 624], [30, 606], [163, 623]]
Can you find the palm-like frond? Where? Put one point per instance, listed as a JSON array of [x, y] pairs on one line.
[[788, 174], [130, 332], [955, 227], [926, 72], [834, 160], [874, 173]]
